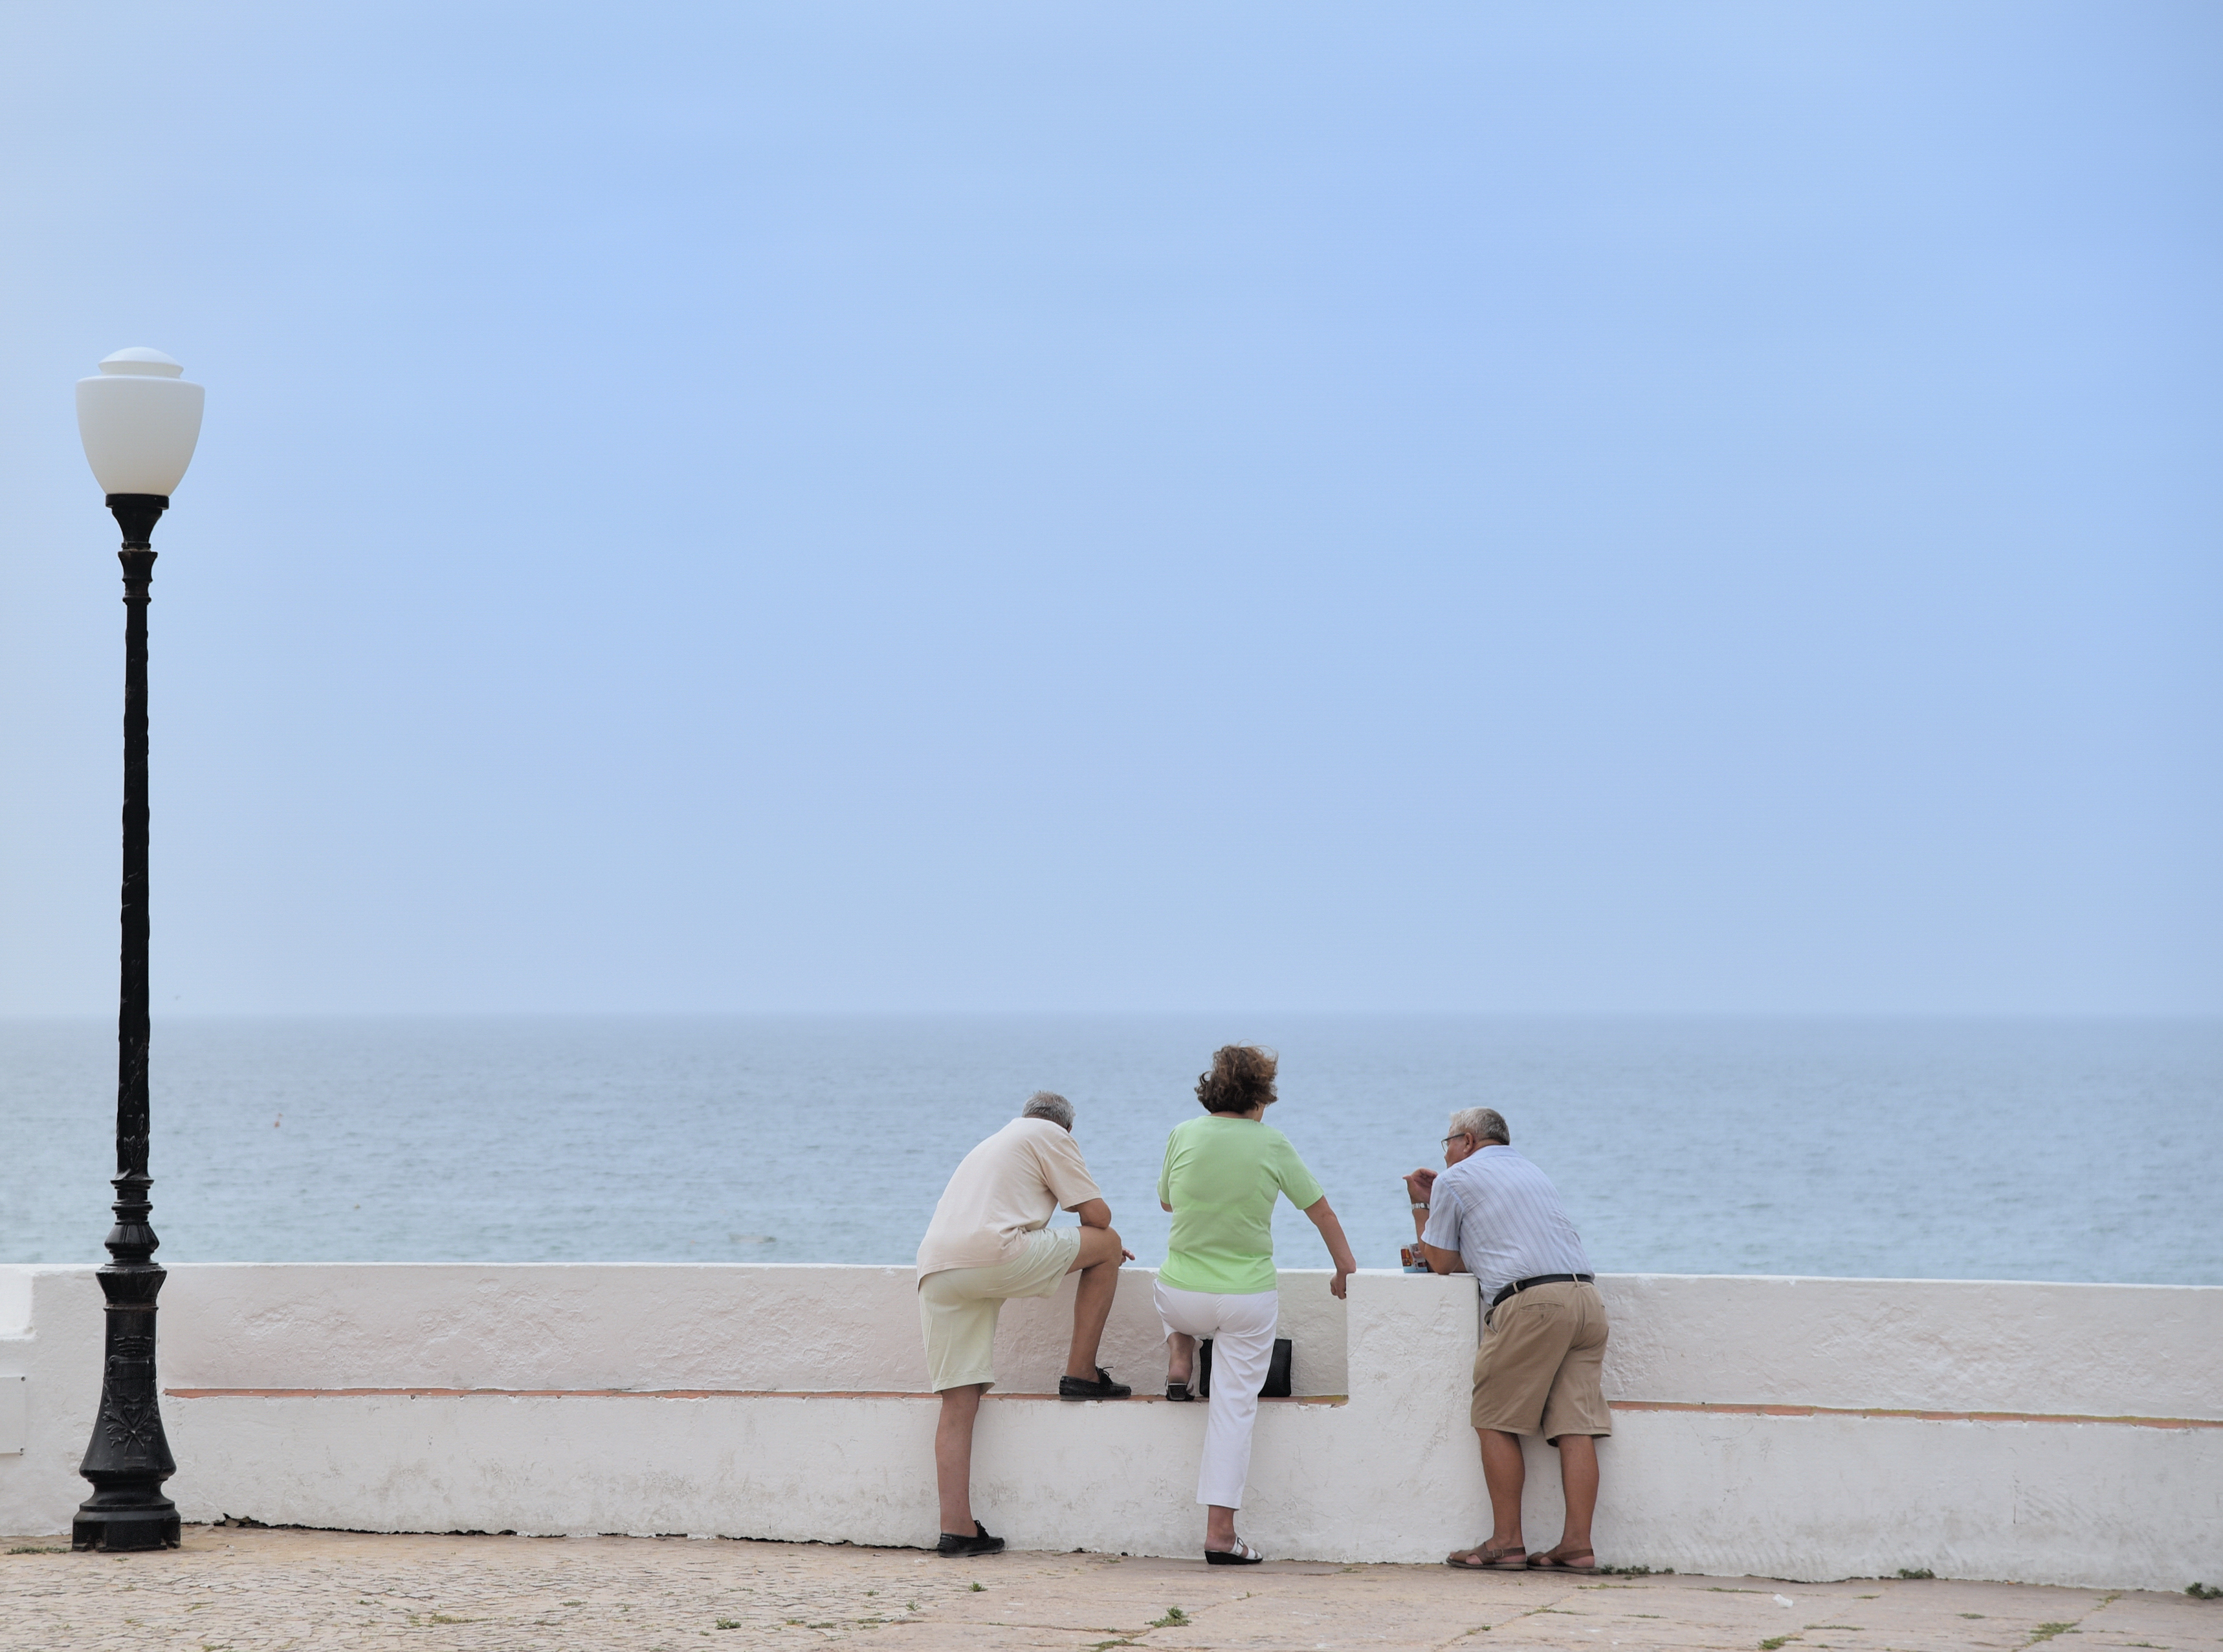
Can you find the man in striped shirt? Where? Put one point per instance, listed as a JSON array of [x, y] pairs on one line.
[[1492, 1214]]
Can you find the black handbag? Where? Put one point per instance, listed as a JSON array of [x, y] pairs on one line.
[[1277, 1371]]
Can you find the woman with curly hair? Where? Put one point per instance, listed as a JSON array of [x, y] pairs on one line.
[[1222, 1175]]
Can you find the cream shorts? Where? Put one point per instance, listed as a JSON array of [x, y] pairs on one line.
[[957, 1307]]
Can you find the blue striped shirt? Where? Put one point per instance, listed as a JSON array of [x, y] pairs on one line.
[[1504, 1216]]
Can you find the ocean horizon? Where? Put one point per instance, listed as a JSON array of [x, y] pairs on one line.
[[1930, 1147]]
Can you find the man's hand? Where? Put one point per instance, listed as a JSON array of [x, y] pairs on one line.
[[1421, 1184]]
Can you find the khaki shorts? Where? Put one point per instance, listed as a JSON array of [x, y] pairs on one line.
[[1537, 1369], [957, 1307]]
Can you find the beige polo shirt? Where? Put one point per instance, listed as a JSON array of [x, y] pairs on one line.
[[1007, 1188]]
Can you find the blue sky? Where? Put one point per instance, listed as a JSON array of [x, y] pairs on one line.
[[1444, 507]]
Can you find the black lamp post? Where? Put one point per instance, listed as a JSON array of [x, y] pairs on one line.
[[140, 421]]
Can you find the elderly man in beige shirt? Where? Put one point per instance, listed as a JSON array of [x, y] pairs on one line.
[[990, 1241]]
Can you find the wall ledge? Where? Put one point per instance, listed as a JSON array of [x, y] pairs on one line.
[[681, 1393], [1719, 1408]]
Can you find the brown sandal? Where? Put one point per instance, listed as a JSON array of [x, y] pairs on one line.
[[1483, 1558], [1573, 1560]]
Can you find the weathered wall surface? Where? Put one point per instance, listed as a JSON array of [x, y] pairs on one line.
[[1792, 1427]]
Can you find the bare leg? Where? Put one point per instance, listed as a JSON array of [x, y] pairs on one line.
[[1505, 1473], [953, 1455], [1578, 1474], [1180, 1359], [1099, 1264], [1218, 1527]]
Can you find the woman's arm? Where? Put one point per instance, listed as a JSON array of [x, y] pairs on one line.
[[1324, 1218]]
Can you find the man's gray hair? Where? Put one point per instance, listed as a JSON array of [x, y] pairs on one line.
[[1049, 1105], [1483, 1123]]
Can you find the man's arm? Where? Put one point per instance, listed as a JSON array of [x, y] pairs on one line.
[[1420, 1184], [1441, 1261], [1094, 1212]]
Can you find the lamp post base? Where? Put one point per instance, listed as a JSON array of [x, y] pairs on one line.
[[132, 1525], [129, 1456]]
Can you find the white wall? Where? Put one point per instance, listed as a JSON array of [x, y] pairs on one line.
[[789, 1407]]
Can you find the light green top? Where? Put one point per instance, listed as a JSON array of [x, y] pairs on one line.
[[1220, 1176]]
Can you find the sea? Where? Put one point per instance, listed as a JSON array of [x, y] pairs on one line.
[[1939, 1148]]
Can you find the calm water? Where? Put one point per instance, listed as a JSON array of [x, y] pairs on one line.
[[2023, 1150]]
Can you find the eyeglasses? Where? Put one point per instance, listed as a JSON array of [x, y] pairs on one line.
[[1463, 1135]]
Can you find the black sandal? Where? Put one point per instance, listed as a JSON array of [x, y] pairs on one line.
[[1178, 1391], [1241, 1554]]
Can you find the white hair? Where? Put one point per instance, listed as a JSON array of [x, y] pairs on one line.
[[1049, 1105], [1483, 1123]]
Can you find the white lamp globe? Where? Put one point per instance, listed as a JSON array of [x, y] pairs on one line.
[[139, 420]]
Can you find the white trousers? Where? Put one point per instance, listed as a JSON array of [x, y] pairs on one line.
[[1242, 1332]]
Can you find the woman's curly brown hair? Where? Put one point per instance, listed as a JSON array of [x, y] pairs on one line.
[[1241, 1076]]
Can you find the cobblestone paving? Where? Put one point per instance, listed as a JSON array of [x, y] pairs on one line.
[[252, 1589]]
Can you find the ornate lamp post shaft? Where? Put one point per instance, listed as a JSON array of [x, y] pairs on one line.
[[140, 421], [129, 1458]]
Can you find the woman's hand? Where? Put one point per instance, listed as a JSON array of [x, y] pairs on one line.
[[1335, 1286]]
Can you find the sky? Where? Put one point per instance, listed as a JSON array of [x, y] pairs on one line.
[[1510, 508]]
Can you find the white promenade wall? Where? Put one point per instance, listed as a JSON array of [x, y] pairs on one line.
[[1801, 1429]]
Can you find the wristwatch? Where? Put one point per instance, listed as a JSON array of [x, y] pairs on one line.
[[1418, 1206]]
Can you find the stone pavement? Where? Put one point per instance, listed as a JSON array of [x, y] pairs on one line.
[[248, 1589]]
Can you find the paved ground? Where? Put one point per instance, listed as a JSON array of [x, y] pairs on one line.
[[244, 1590]]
